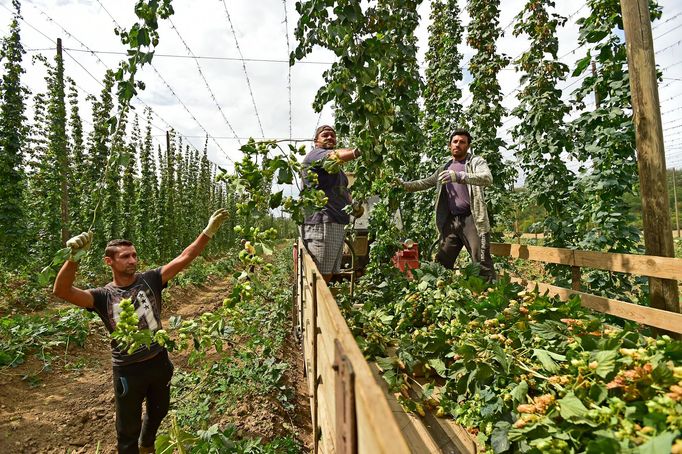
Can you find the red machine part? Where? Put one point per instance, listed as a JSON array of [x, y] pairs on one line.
[[408, 258]]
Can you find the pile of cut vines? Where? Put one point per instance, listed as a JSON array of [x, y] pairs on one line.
[[521, 371]]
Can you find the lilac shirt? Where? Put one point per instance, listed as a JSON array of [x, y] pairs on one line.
[[458, 194]]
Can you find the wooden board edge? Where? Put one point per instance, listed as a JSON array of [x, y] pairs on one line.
[[657, 318], [641, 265]]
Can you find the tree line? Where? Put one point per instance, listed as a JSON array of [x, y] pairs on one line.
[[58, 181]]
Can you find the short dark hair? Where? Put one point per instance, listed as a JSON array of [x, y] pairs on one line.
[[112, 247], [320, 129], [460, 132]]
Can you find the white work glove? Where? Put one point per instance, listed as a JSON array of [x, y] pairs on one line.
[[449, 176], [79, 244], [215, 222]]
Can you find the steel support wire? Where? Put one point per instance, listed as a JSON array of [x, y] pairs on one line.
[[246, 74], [201, 73]]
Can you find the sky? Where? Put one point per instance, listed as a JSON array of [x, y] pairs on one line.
[[233, 99]]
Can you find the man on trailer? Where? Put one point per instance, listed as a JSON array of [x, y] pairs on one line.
[[323, 231], [461, 213], [145, 373]]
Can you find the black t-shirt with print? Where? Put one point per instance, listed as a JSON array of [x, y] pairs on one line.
[[145, 293]]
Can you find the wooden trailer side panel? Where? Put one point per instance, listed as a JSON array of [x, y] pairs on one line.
[[376, 429]]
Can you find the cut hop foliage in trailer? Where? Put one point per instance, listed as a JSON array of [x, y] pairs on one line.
[[522, 371]]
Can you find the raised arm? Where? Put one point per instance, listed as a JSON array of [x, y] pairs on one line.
[[63, 284], [421, 185], [347, 154], [192, 251]]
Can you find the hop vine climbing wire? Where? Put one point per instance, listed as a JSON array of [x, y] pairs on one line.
[[156, 71], [286, 33], [203, 77], [87, 49], [246, 74]]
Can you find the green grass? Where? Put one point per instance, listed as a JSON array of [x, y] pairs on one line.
[[44, 336], [249, 367]]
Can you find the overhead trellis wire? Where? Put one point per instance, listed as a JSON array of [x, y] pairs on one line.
[[669, 47], [190, 113], [93, 53], [246, 74], [265, 139], [174, 94], [201, 73], [517, 88], [286, 33], [203, 57], [667, 20], [671, 110], [669, 31], [566, 54]]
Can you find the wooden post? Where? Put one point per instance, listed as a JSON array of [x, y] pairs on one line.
[[575, 278], [658, 239], [316, 418], [677, 213]]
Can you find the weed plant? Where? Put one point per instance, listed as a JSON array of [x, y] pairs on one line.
[[249, 366]]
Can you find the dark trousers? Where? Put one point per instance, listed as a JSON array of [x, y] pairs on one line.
[[460, 231], [133, 384]]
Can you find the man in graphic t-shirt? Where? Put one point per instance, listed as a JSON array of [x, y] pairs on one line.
[[461, 213], [144, 374]]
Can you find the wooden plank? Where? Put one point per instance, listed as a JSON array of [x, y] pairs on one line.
[[459, 433], [643, 265], [326, 389], [451, 436], [314, 355], [308, 337], [537, 253], [327, 404], [378, 431], [650, 316], [417, 436]]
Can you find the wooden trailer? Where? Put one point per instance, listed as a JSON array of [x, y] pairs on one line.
[[352, 410]]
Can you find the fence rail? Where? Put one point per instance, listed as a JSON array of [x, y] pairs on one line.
[[537, 236], [643, 265]]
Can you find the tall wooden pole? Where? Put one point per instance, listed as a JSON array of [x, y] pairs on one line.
[[677, 214], [658, 238]]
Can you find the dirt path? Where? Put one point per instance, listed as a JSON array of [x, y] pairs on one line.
[[71, 409]]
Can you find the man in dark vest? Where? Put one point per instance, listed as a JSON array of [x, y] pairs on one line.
[[323, 230]]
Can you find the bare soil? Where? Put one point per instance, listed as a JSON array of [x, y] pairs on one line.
[[71, 408]]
